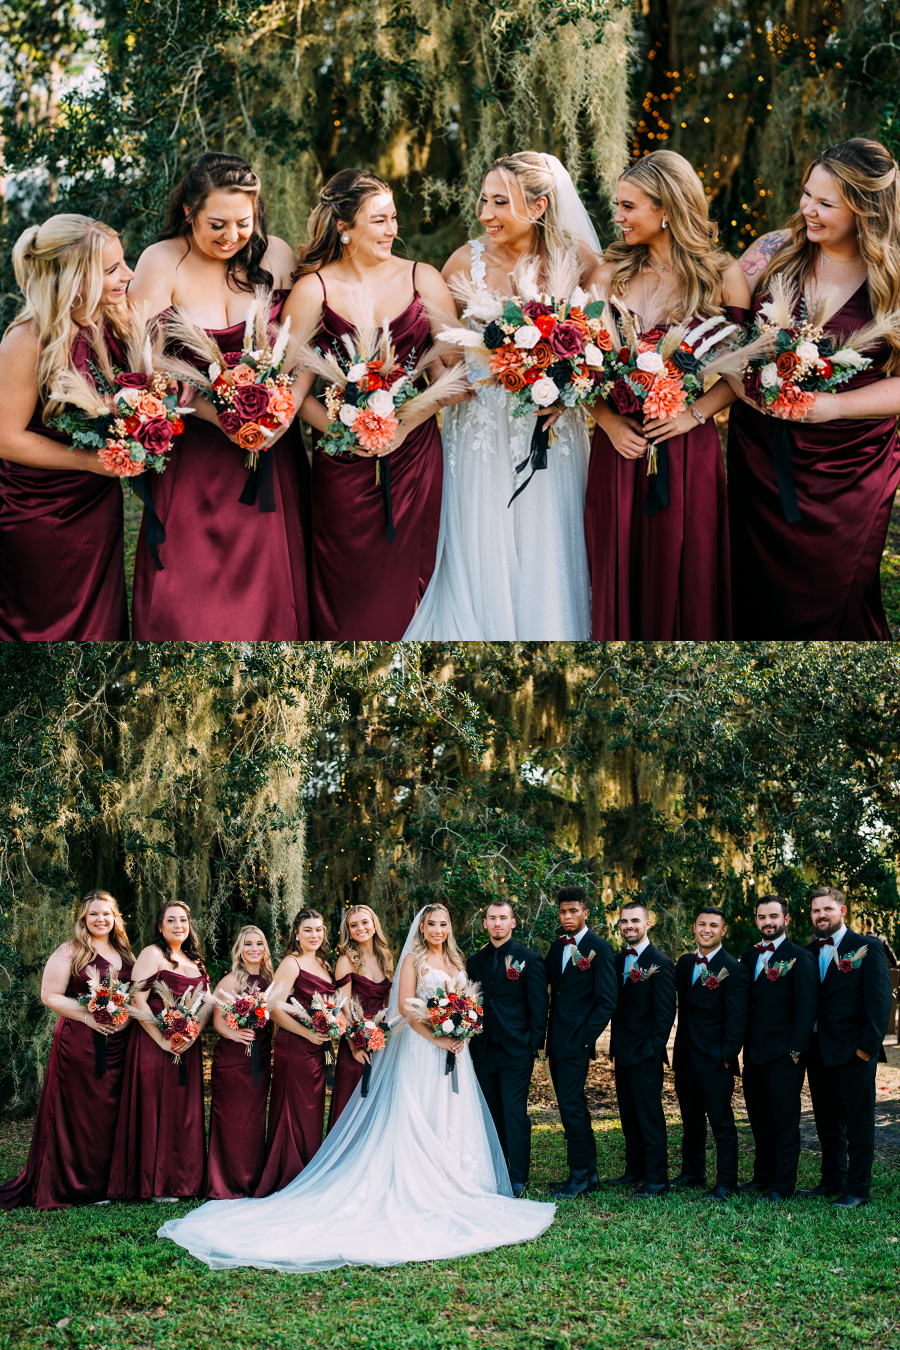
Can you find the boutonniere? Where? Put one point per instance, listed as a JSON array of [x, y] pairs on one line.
[[852, 960], [710, 981], [582, 962], [514, 968], [637, 976], [776, 969]]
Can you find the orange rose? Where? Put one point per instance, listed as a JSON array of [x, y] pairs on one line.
[[512, 381], [372, 366], [251, 436], [786, 364], [643, 378], [604, 341], [502, 359], [542, 355], [243, 374], [673, 371], [578, 317], [149, 406], [177, 1042]]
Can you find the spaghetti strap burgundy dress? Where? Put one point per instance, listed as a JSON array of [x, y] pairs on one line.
[[160, 1147], [72, 1144], [365, 586], [237, 1118], [62, 564], [372, 996], [231, 571], [818, 577]]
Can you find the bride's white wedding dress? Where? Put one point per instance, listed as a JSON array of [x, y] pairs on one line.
[[412, 1172], [507, 572]]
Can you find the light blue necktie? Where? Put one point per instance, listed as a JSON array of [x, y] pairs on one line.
[[630, 963], [567, 953], [761, 962], [826, 955], [696, 975]]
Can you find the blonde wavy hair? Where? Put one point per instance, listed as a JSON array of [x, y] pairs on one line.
[[59, 268], [674, 188], [238, 969], [293, 947], [82, 943], [349, 947], [449, 949], [535, 179], [867, 180]]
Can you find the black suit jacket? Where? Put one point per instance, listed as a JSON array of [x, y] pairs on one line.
[[645, 1011], [515, 1010], [782, 1011], [711, 1022], [854, 1005], [581, 1001]]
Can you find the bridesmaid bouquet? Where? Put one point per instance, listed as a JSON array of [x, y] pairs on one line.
[[248, 1008], [106, 1000], [180, 1019], [367, 1033], [451, 1012], [324, 1016]]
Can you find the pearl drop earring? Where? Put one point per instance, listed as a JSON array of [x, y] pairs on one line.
[[665, 223], [345, 239]]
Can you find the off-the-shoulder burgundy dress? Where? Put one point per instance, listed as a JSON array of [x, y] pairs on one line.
[[372, 996], [237, 1118], [297, 1106], [818, 577], [231, 571], [663, 576], [62, 567], [160, 1144], [72, 1145], [364, 586]]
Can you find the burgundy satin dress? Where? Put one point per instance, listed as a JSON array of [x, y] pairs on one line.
[[818, 577], [364, 587], [373, 996], [62, 562], [665, 576], [160, 1144], [72, 1144], [230, 571], [237, 1118], [297, 1106]]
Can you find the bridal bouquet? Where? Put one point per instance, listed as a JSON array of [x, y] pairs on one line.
[[106, 1000], [248, 1008], [451, 1012], [324, 1016], [180, 1019], [370, 1034]]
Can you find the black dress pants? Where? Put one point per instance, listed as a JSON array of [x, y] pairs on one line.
[[702, 1097], [843, 1099], [639, 1095], [504, 1079], [772, 1094], [569, 1076]]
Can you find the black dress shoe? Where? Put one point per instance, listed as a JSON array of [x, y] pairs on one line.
[[849, 1201], [752, 1186], [626, 1179], [577, 1184], [519, 1190], [776, 1198], [720, 1193], [685, 1179], [821, 1191], [651, 1191]]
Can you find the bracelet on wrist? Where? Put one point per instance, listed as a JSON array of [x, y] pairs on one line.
[[696, 413]]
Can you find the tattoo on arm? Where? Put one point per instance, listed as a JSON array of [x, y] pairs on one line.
[[761, 254]]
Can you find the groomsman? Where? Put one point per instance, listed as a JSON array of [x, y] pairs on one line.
[[713, 990], [854, 1008], [582, 975], [515, 1000], [645, 1011], [783, 997]]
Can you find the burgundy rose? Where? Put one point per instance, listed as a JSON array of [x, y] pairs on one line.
[[458, 1004], [155, 436], [712, 982], [566, 339], [320, 1022], [251, 401], [772, 974], [233, 358], [512, 973], [584, 963], [845, 965], [180, 1025], [358, 1040], [634, 975], [242, 1007], [533, 309], [230, 422], [623, 399], [131, 381], [101, 1016]]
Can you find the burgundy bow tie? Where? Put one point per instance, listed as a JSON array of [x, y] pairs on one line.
[[630, 951], [765, 946], [569, 942], [700, 961], [824, 942]]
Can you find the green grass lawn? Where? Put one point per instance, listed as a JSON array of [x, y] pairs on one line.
[[609, 1273]]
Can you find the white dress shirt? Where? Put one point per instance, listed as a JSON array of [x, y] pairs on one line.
[[568, 949]]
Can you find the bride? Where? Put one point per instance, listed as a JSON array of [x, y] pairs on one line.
[[412, 1172], [513, 572]]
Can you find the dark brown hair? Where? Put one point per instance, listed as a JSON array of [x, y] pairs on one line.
[[293, 947], [829, 893], [222, 173], [709, 909], [191, 945], [773, 900], [341, 199]]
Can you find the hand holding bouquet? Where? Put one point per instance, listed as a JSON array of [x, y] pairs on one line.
[[179, 1021], [367, 1035], [106, 1001], [453, 1013], [247, 1010], [324, 1016]]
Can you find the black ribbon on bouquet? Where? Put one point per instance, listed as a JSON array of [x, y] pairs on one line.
[[783, 459], [658, 491], [260, 484], [450, 1067], [99, 1054], [154, 530], [254, 1061], [537, 458], [366, 1075], [182, 1073], [384, 467]]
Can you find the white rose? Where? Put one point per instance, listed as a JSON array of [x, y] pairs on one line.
[[214, 371], [348, 414], [448, 1026], [381, 403], [370, 1025], [130, 396], [527, 336], [768, 376], [356, 373], [651, 362], [442, 1002], [593, 356], [808, 352], [848, 357], [545, 391]]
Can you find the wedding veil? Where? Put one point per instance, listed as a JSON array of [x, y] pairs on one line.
[[572, 215]]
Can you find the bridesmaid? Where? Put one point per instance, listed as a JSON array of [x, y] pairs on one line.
[[362, 585], [160, 1140], [819, 576], [72, 1144], [61, 518], [660, 571], [297, 1108], [231, 571], [364, 972], [237, 1118]]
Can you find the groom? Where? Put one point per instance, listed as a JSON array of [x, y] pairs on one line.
[[514, 997]]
